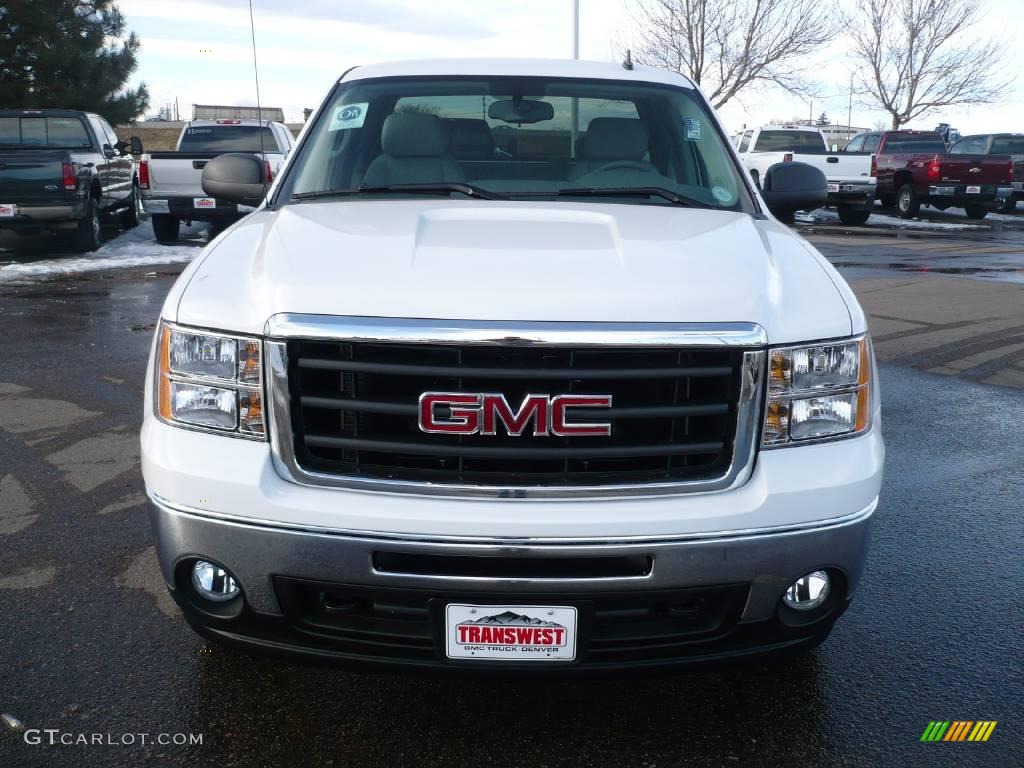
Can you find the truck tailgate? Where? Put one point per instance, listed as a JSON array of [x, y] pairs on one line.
[[838, 166], [976, 169], [32, 176], [177, 175]]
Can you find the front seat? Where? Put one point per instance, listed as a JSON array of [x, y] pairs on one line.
[[612, 139], [415, 151]]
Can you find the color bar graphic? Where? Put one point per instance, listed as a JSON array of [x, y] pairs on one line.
[[958, 730]]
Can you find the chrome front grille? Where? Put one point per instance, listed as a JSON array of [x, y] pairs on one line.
[[345, 393]]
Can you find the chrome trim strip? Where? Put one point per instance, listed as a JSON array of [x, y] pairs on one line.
[[282, 442], [518, 333], [514, 544]]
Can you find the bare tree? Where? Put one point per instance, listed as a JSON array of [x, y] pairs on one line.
[[727, 45], [915, 56]]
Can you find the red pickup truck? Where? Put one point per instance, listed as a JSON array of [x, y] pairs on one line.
[[913, 168]]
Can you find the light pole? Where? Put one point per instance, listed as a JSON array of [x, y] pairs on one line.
[[575, 55]]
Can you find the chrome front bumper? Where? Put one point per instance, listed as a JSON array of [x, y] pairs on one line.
[[769, 561]]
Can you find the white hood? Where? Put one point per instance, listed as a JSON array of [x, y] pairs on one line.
[[474, 260]]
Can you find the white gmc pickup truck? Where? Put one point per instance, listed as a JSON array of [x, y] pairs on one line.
[[466, 393]]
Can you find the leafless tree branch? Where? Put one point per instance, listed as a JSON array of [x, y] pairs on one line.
[[727, 45], [915, 56]]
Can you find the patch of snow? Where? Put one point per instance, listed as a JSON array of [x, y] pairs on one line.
[[133, 248]]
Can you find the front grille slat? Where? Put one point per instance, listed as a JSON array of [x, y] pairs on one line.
[[354, 412], [401, 369], [411, 409], [452, 449]]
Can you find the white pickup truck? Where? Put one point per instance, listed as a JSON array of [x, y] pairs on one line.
[[464, 393], [851, 187], [171, 181]]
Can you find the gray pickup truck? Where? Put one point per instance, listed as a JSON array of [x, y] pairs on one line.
[[61, 170]]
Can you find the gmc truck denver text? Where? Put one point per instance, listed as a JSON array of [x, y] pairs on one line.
[[468, 393]]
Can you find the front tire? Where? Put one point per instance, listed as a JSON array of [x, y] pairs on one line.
[[852, 217], [1009, 205], [908, 204], [130, 216], [88, 235], [166, 227], [975, 212]]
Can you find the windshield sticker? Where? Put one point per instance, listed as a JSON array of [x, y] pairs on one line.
[[692, 126], [722, 195], [348, 116]]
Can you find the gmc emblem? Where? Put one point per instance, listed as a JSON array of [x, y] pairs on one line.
[[479, 413]]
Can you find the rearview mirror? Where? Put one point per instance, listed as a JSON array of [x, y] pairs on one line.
[[791, 187], [136, 145], [520, 111], [237, 178]]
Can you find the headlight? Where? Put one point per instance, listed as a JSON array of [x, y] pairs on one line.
[[818, 392], [210, 381]]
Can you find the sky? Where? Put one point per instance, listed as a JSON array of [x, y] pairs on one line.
[[200, 51]]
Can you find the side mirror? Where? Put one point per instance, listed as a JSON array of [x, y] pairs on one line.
[[136, 145], [790, 187], [236, 177]]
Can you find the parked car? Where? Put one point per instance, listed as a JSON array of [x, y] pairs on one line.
[[1011, 144], [913, 169], [535, 411], [62, 170], [851, 187], [171, 187]]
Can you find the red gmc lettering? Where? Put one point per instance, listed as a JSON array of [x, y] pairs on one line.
[[462, 421], [480, 413], [496, 408], [563, 428]]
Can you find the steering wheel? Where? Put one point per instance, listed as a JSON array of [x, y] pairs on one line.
[[615, 165]]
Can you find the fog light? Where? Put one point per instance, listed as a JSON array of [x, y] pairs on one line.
[[807, 592], [213, 582]]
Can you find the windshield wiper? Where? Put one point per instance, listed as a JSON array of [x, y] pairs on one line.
[[469, 190], [665, 194]]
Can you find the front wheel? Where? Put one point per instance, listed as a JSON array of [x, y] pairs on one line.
[[908, 204], [975, 212], [166, 227], [87, 235], [1008, 206], [852, 216], [130, 215]]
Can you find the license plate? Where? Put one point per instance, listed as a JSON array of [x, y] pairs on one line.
[[7, 210], [510, 632], [833, 187], [974, 190], [204, 202]]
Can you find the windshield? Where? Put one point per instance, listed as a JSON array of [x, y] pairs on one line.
[[518, 138], [789, 141], [915, 144], [227, 138], [51, 132]]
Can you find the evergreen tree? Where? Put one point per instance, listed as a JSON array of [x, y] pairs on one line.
[[823, 119], [71, 54]]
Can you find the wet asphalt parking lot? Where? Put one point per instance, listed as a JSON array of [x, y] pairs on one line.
[[91, 644]]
